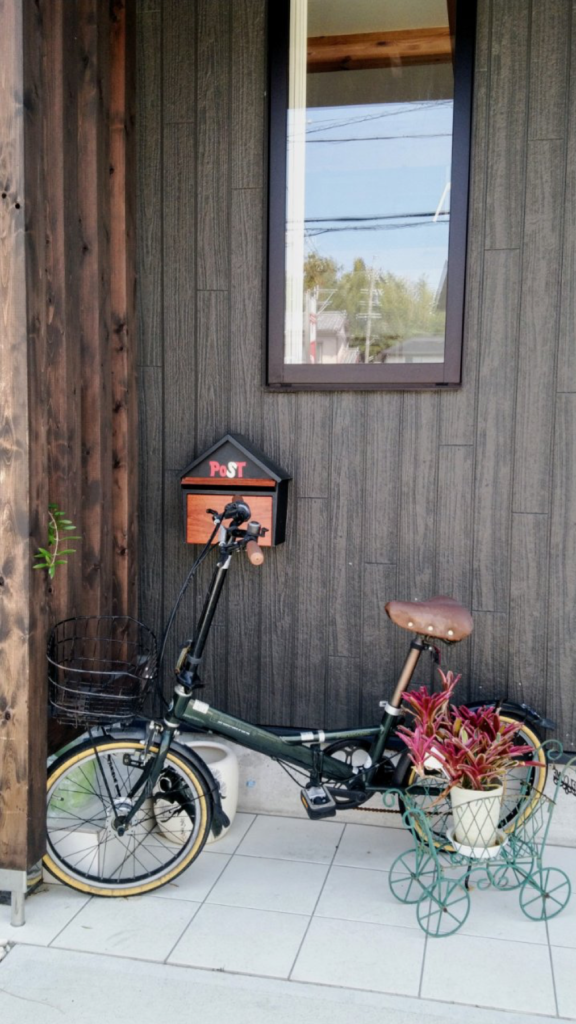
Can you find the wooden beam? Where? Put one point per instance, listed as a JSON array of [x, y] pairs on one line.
[[379, 49], [23, 478]]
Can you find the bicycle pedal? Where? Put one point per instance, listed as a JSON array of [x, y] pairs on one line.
[[317, 802]]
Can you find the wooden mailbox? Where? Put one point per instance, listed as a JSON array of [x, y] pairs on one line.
[[235, 468]]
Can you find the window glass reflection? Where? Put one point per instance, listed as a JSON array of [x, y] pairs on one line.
[[368, 181]]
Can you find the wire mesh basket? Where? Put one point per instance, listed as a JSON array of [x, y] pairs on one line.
[[100, 669]]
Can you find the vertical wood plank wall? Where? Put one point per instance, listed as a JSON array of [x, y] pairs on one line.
[[90, 273], [89, 182], [471, 493], [67, 361]]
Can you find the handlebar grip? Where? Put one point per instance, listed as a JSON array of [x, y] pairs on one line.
[[254, 552]]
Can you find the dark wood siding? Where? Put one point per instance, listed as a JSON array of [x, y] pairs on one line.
[[394, 495]]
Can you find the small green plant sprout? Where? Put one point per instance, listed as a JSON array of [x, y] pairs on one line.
[[59, 529]]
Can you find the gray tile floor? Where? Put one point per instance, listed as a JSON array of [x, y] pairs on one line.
[[307, 904]]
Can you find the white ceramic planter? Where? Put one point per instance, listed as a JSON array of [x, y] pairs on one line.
[[223, 764], [479, 852], [476, 815]]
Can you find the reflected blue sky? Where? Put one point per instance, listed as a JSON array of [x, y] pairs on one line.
[[389, 163]]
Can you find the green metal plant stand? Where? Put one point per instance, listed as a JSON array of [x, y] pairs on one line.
[[436, 875]]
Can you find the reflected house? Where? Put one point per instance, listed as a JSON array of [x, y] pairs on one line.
[[416, 350], [332, 338]]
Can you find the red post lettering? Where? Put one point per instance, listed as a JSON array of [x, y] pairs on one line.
[[214, 467], [241, 468], [223, 470]]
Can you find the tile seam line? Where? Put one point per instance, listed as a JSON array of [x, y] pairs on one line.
[[73, 918], [286, 860], [294, 817], [202, 903], [295, 913], [432, 999], [259, 910], [308, 984], [199, 905], [161, 963], [241, 840], [315, 907], [421, 978], [551, 960]]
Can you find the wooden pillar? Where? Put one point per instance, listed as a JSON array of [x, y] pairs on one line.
[[23, 483], [68, 429]]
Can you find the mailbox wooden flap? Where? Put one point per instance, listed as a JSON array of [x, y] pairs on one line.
[[233, 459]]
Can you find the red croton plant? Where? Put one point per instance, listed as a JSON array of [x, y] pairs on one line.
[[474, 749]]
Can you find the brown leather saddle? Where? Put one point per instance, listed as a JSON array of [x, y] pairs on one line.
[[440, 618]]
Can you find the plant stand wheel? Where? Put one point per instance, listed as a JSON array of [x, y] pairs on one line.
[[443, 909], [513, 867], [545, 893], [411, 874]]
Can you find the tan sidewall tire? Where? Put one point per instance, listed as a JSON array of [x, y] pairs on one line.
[[197, 783]]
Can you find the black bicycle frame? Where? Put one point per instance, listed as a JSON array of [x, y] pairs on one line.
[[185, 709], [190, 711], [301, 749], [291, 748]]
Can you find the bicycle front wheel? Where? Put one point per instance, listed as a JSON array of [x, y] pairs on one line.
[[90, 786]]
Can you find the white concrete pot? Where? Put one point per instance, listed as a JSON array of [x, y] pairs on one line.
[[476, 814], [223, 764]]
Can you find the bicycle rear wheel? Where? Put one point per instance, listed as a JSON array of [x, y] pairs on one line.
[[89, 786]]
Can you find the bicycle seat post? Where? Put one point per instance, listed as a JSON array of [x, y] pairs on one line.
[[392, 707], [417, 646]]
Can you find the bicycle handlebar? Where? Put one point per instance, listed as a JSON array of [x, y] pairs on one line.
[[237, 510]]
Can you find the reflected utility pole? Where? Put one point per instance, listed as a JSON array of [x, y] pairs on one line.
[[370, 315]]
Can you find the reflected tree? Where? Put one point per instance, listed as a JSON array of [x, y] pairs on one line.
[[382, 308]]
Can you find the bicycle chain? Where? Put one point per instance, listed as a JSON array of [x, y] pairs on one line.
[[376, 810]]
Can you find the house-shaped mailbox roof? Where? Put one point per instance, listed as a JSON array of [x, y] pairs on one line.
[[233, 458]]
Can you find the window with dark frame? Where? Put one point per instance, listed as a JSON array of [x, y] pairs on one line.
[[369, 151]]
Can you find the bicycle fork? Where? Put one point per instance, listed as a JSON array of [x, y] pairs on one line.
[[148, 779]]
